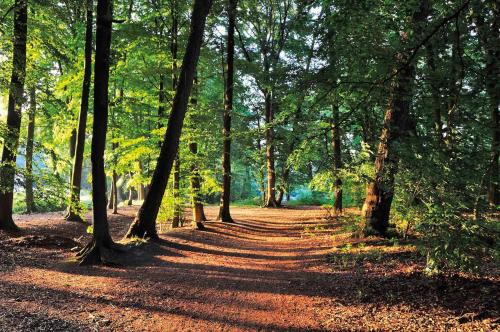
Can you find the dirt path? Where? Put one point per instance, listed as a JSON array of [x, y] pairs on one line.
[[268, 271]]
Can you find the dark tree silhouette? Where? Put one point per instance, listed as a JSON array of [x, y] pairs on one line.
[[380, 191], [16, 90], [97, 251], [224, 214], [144, 225], [28, 183], [73, 213]]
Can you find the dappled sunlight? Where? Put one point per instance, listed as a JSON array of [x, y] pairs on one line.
[[190, 277]]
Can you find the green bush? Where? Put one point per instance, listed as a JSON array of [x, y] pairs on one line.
[[254, 201], [308, 197], [453, 241]]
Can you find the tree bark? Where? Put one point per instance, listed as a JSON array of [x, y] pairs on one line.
[[262, 183], [74, 213], [72, 144], [488, 32], [456, 77], [271, 173], [177, 163], [130, 192], [176, 222], [337, 160], [380, 191], [111, 195], [224, 213], [97, 250], [161, 101], [141, 190], [435, 93], [16, 90], [197, 206], [284, 187], [30, 200], [115, 192], [144, 225]]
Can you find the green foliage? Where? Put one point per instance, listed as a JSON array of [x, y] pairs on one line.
[[312, 58], [254, 201], [49, 193], [453, 240], [304, 196]]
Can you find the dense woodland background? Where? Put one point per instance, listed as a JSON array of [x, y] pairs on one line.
[[386, 106]]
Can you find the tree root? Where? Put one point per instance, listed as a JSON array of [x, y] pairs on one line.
[[99, 252], [9, 226], [69, 216], [137, 230], [271, 203]]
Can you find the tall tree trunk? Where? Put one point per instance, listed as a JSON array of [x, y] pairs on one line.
[[111, 195], [197, 206], [262, 183], [97, 250], [161, 101], [380, 191], [271, 173], [72, 144], [130, 192], [73, 213], [130, 199], [455, 84], [435, 92], [144, 225], [283, 187], [141, 190], [195, 179], [224, 213], [337, 160], [115, 192], [488, 31], [16, 90], [177, 163], [30, 200], [176, 222]]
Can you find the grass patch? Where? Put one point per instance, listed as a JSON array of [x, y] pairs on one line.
[[372, 252]]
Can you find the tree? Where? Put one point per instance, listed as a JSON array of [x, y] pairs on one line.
[[488, 31], [144, 225], [73, 213], [195, 178], [177, 163], [197, 205], [16, 90], [380, 191], [224, 214], [270, 26], [30, 199], [337, 159], [97, 251]]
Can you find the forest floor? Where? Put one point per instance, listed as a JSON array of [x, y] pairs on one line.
[[273, 270]]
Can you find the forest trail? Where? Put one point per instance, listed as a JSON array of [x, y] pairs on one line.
[[268, 271], [261, 272]]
